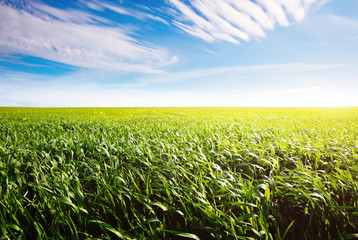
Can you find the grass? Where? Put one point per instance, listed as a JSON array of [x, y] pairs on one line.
[[179, 173]]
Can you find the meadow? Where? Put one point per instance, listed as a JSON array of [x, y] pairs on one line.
[[179, 173]]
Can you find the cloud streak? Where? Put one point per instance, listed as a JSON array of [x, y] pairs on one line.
[[58, 36], [101, 6], [168, 77], [83, 89], [232, 20]]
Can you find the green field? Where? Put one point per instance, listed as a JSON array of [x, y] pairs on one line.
[[179, 173]]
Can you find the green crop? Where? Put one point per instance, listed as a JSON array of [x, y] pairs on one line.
[[179, 173]]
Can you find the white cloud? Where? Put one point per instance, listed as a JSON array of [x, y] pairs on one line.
[[201, 27], [210, 10], [239, 19], [232, 20], [254, 11], [295, 8], [197, 32], [274, 10], [75, 41], [92, 5]]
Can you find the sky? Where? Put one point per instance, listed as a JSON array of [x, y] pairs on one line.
[[229, 53]]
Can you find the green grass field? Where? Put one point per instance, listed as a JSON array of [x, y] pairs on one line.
[[179, 173]]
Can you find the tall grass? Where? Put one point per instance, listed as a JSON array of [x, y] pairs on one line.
[[179, 173]]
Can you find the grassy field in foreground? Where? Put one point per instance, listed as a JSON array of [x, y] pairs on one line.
[[179, 173]]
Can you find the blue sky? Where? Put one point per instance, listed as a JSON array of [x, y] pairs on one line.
[[179, 53]]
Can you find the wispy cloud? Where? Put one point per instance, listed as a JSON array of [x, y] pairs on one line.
[[77, 41], [167, 77], [209, 51], [232, 20], [85, 89], [329, 23], [100, 6], [134, 13], [70, 15]]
